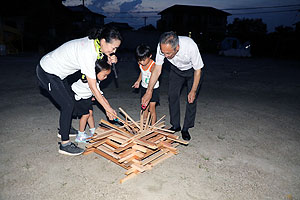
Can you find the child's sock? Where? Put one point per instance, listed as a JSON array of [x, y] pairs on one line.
[[92, 131], [81, 133]]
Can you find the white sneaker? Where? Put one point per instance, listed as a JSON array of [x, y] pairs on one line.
[[82, 138]]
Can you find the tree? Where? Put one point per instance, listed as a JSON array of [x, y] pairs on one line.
[[247, 29]]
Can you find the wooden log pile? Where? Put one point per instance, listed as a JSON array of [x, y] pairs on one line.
[[136, 146]]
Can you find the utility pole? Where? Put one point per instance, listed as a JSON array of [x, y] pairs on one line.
[[145, 20], [83, 3]]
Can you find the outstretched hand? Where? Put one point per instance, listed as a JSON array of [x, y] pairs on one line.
[[146, 99], [136, 84], [111, 114]]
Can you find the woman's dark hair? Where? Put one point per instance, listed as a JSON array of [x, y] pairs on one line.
[[101, 64], [107, 32], [142, 51]]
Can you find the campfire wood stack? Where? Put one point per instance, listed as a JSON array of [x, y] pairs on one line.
[[136, 146]]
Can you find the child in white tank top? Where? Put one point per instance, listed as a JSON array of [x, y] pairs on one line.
[[146, 64]]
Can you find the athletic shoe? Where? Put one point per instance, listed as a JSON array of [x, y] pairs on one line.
[[82, 138], [71, 149], [73, 132]]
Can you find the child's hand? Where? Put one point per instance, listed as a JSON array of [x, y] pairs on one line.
[[136, 84]]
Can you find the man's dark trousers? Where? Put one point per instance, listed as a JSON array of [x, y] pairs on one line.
[[177, 79]]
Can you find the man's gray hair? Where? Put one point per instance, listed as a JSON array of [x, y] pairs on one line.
[[169, 38]]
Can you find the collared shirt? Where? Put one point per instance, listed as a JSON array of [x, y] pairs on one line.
[[186, 58]]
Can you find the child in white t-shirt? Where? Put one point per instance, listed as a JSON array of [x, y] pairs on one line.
[[143, 55], [84, 99]]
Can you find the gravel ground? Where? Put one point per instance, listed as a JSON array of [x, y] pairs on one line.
[[245, 143]]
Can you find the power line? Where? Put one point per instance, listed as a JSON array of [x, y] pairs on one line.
[[275, 11], [262, 7], [134, 17], [250, 8]]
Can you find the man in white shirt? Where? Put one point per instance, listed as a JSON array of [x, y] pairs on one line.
[[186, 64]]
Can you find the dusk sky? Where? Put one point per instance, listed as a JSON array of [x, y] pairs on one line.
[[273, 12]]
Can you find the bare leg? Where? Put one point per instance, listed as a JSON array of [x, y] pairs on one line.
[[90, 120], [83, 121], [152, 112]]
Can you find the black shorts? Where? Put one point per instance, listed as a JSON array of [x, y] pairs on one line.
[[155, 94], [82, 107]]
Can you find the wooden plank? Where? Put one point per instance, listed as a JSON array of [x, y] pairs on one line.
[[123, 132], [142, 121], [179, 141], [140, 148], [168, 134], [120, 149], [147, 121], [129, 118], [108, 152], [113, 144], [126, 157], [88, 151], [116, 139], [155, 156], [159, 120], [149, 136], [168, 146], [162, 158], [162, 129], [126, 152], [130, 170], [156, 138], [129, 177], [138, 167], [101, 153], [150, 145], [96, 144], [161, 139], [108, 146], [124, 122], [103, 135]]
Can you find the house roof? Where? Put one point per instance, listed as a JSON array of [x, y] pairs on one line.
[[196, 10], [119, 25], [83, 9]]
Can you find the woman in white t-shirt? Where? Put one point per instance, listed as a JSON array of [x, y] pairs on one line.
[[79, 54]]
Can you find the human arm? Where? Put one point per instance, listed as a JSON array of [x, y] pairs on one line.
[[137, 82], [192, 93], [154, 77], [101, 99]]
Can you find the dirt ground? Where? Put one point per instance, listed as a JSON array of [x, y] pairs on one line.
[[245, 143]]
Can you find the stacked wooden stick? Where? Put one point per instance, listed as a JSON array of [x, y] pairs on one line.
[[136, 145]]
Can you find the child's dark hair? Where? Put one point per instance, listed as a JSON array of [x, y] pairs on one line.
[[142, 51], [107, 32], [101, 64]]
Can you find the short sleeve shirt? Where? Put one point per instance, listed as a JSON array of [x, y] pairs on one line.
[[186, 58], [82, 90], [78, 54]]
